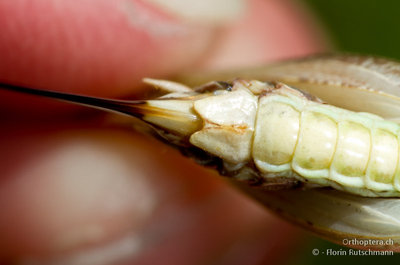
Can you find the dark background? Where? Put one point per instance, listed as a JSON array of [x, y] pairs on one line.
[[364, 27]]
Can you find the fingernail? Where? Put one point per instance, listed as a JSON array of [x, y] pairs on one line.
[[114, 252], [80, 189], [208, 11]]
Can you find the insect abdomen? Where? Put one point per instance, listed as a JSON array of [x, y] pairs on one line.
[[323, 144]]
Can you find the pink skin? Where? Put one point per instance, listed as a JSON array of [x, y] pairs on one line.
[[93, 46], [267, 32], [81, 186], [103, 48]]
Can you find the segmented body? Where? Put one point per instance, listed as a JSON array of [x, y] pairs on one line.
[[269, 134], [276, 136], [285, 134]]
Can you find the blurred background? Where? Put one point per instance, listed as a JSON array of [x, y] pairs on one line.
[[368, 27], [365, 27]]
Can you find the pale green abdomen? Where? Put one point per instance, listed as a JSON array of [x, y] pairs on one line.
[[323, 144]]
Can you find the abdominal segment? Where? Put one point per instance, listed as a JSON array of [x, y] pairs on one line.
[[322, 144]]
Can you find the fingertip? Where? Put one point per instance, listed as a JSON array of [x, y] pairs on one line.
[[89, 194], [73, 190], [268, 31], [102, 47]]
